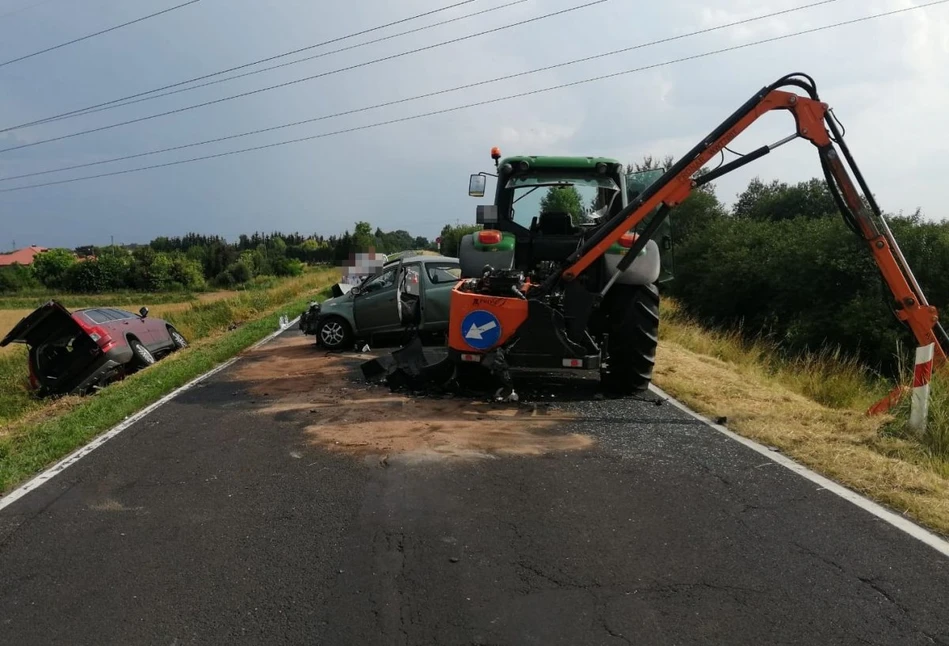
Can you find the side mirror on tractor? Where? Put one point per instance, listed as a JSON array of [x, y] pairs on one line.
[[476, 184]]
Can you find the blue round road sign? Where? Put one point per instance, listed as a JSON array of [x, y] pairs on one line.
[[481, 329]]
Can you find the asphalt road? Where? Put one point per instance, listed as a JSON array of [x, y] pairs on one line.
[[210, 523]]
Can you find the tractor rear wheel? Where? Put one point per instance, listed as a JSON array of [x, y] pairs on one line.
[[633, 336]]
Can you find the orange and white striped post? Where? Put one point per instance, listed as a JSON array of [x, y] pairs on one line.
[[919, 406]]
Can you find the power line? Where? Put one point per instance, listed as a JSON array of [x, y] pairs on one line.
[[98, 33], [428, 94], [278, 66], [308, 78], [90, 108], [485, 102]]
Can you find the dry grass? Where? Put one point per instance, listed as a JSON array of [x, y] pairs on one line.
[[9, 318], [813, 410]]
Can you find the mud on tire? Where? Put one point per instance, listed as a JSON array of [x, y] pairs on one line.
[[633, 327]]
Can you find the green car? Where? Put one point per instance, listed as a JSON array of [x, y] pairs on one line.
[[409, 292]]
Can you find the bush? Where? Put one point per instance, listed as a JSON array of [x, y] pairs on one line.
[[52, 266], [16, 277], [287, 267], [806, 284], [108, 273], [241, 272], [187, 273], [224, 279]]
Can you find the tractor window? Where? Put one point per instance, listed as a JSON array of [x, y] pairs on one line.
[[583, 198], [639, 181]]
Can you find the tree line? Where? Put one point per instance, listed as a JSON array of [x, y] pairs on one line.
[[781, 264], [194, 261]]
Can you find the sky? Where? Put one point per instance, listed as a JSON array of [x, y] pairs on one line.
[[885, 80]]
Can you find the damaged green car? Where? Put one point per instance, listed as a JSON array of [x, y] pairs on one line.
[[408, 292]]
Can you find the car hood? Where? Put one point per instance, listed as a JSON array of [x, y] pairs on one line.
[[341, 289], [336, 301], [48, 320]]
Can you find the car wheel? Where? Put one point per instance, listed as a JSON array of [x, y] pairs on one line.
[[177, 339], [142, 358], [334, 334]]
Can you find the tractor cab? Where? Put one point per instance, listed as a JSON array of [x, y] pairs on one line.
[[544, 206]]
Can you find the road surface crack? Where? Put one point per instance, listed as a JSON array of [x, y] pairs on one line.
[[883, 593], [563, 582], [818, 556], [613, 633]]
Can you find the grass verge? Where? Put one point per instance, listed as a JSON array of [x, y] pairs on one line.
[[813, 410], [51, 431]]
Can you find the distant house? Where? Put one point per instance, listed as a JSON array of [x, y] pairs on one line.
[[21, 256]]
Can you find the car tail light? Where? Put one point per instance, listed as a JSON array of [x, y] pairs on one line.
[[628, 239], [489, 236], [98, 334], [102, 338]]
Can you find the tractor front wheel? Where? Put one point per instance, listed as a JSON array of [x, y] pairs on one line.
[[633, 337]]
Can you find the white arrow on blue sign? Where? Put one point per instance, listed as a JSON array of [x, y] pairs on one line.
[[481, 329]]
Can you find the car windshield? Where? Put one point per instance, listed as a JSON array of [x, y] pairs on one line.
[[583, 198], [381, 281]]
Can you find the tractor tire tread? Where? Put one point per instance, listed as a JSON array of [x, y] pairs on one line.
[[634, 336]]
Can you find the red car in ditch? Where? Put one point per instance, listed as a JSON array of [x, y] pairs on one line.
[[78, 352]]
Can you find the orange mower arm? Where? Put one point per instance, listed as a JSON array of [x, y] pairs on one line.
[[814, 122]]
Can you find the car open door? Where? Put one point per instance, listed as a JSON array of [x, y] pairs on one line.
[[61, 351], [47, 321], [375, 307], [409, 298]]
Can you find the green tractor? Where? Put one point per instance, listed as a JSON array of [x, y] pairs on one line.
[[544, 209]]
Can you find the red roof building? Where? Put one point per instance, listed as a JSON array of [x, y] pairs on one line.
[[21, 256]]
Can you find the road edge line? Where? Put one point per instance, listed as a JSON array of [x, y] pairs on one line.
[[45, 476], [900, 522]]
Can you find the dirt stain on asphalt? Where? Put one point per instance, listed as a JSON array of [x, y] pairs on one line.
[[323, 392]]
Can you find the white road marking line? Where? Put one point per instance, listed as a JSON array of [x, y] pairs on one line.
[[901, 523], [50, 473]]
